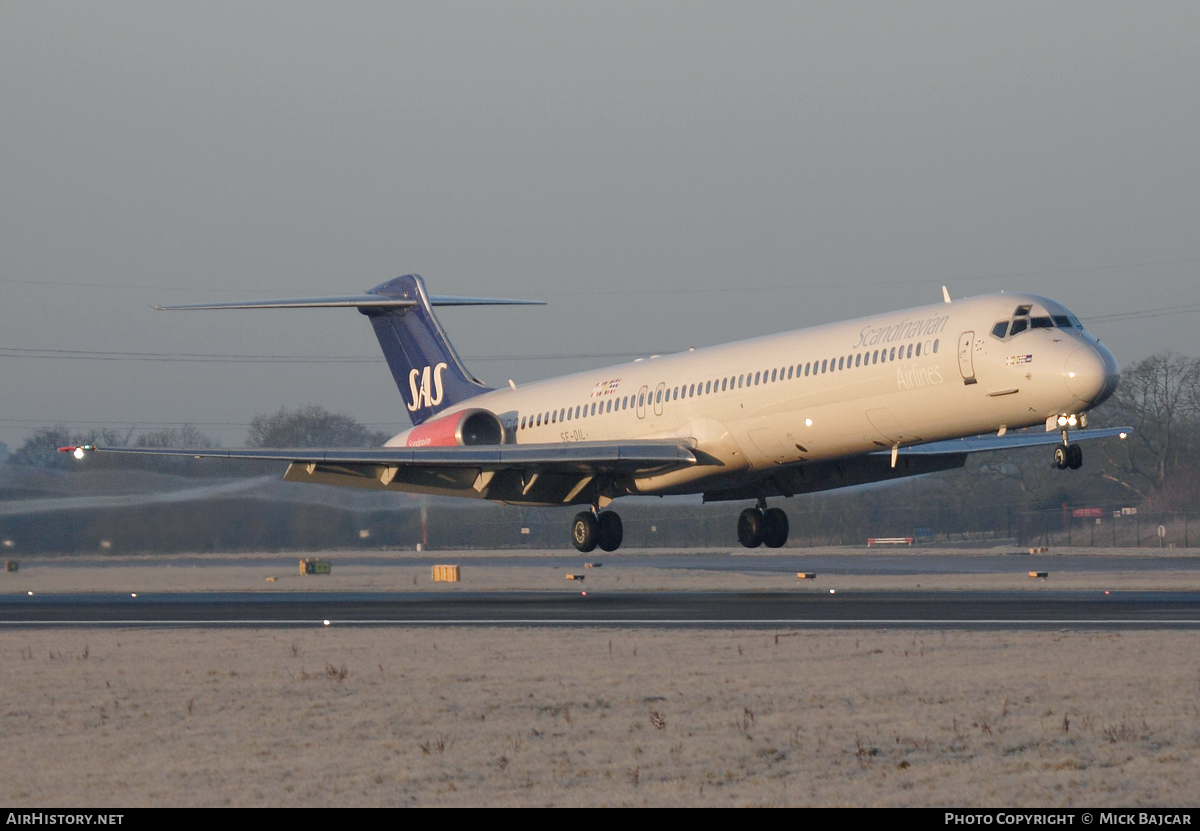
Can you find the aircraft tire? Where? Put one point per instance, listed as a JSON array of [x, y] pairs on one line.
[[610, 531], [584, 531], [750, 526], [1060, 457], [1074, 457], [775, 530]]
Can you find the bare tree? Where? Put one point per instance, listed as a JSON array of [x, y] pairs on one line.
[[1160, 399], [310, 426]]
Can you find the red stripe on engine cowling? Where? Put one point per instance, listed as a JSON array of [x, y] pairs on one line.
[[441, 432]]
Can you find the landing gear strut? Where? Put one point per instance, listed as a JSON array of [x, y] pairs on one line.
[[591, 529], [762, 525]]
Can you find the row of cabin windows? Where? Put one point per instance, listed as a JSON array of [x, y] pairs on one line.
[[723, 384]]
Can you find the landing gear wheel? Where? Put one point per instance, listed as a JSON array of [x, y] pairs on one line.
[[750, 527], [775, 533], [1060, 457], [584, 531], [1074, 457], [611, 530]]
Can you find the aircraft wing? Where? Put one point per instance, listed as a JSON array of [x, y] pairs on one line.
[[1009, 441], [546, 474], [913, 460]]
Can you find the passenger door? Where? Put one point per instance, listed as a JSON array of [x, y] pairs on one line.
[[966, 363]]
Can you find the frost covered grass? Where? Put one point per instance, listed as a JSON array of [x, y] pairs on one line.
[[544, 716]]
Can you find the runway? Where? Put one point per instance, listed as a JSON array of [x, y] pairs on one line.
[[825, 561], [799, 609]]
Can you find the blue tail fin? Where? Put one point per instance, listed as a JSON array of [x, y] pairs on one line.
[[427, 370]]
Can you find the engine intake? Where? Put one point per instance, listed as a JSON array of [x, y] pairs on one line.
[[464, 428]]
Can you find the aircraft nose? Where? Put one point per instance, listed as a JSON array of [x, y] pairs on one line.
[[1091, 373]]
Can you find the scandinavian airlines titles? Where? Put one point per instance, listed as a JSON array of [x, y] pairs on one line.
[[870, 336]]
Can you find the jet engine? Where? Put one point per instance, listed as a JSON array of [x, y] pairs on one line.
[[464, 428]]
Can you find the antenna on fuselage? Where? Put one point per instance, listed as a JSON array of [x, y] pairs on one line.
[[945, 294]]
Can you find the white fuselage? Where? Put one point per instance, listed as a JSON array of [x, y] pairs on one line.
[[831, 391]]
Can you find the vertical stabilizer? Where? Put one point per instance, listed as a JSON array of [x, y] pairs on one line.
[[427, 370]]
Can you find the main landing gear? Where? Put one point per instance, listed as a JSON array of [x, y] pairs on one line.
[[591, 529], [762, 526]]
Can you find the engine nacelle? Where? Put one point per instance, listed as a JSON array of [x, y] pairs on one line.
[[466, 427]]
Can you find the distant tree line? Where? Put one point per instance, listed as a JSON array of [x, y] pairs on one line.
[[310, 426]]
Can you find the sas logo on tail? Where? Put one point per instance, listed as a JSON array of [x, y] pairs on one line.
[[429, 391]]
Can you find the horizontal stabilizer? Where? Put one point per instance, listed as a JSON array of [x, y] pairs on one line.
[[351, 301]]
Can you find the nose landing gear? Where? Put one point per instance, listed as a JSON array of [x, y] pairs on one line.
[[762, 526], [1068, 456]]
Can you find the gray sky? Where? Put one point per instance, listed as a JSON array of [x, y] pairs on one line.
[[664, 174]]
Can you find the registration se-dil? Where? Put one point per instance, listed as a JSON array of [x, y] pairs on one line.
[[831, 406]]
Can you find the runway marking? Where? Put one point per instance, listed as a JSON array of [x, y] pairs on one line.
[[616, 622]]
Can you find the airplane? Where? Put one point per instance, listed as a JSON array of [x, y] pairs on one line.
[[841, 404]]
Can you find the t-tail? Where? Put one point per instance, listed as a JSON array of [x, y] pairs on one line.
[[428, 372]]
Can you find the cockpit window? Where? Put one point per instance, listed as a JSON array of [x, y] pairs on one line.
[[1025, 318]]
